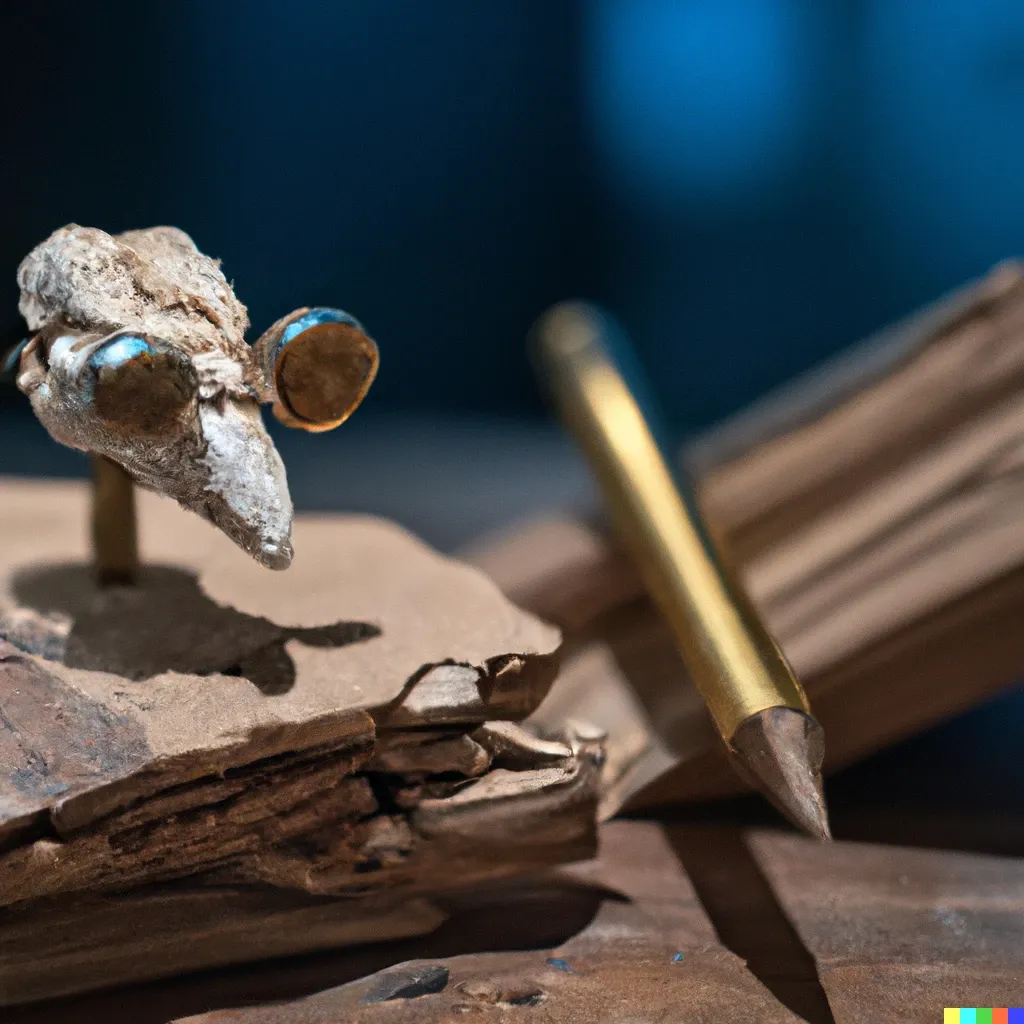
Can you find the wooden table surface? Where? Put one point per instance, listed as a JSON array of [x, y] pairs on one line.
[[675, 921]]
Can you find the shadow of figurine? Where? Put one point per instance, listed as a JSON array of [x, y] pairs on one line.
[[162, 623]]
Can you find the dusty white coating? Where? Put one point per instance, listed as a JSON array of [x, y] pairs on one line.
[[247, 474], [80, 287]]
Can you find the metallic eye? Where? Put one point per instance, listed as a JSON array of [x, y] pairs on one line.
[[320, 363], [141, 385]]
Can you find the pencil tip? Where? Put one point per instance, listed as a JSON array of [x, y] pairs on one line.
[[780, 751]]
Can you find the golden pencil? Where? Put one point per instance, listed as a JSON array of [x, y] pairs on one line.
[[754, 699]]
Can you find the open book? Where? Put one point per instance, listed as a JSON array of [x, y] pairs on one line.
[[876, 510]]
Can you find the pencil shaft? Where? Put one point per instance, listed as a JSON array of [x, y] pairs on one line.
[[735, 664], [755, 701]]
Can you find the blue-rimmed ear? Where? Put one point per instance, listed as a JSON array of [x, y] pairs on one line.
[[139, 384], [319, 364], [11, 359]]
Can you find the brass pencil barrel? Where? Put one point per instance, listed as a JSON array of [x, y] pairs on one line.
[[738, 669], [735, 664]]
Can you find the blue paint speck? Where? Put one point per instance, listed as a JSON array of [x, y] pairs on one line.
[[560, 965], [315, 317], [678, 958]]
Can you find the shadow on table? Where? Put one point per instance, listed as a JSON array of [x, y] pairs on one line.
[[524, 916]]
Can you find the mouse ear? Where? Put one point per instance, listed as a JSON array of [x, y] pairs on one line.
[[140, 385], [319, 364], [11, 359]]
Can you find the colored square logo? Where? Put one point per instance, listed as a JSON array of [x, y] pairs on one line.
[[982, 1015]]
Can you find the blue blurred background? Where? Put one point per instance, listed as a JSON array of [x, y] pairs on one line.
[[751, 185]]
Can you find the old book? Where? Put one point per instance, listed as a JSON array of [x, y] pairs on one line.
[[874, 511], [220, 764]]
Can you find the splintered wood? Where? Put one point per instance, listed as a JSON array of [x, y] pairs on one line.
[[875, 514], [231, 755]]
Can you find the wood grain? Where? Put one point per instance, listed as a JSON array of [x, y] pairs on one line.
[[650, 954], [899, 933]]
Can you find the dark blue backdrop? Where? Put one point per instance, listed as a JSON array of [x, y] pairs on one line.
[[751, 184]]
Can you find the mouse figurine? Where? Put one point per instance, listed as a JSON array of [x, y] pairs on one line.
[[138, 354]]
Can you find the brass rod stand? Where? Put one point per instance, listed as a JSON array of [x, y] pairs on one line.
[[115, 543]]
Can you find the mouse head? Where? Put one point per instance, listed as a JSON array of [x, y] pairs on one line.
[[138, 354]]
